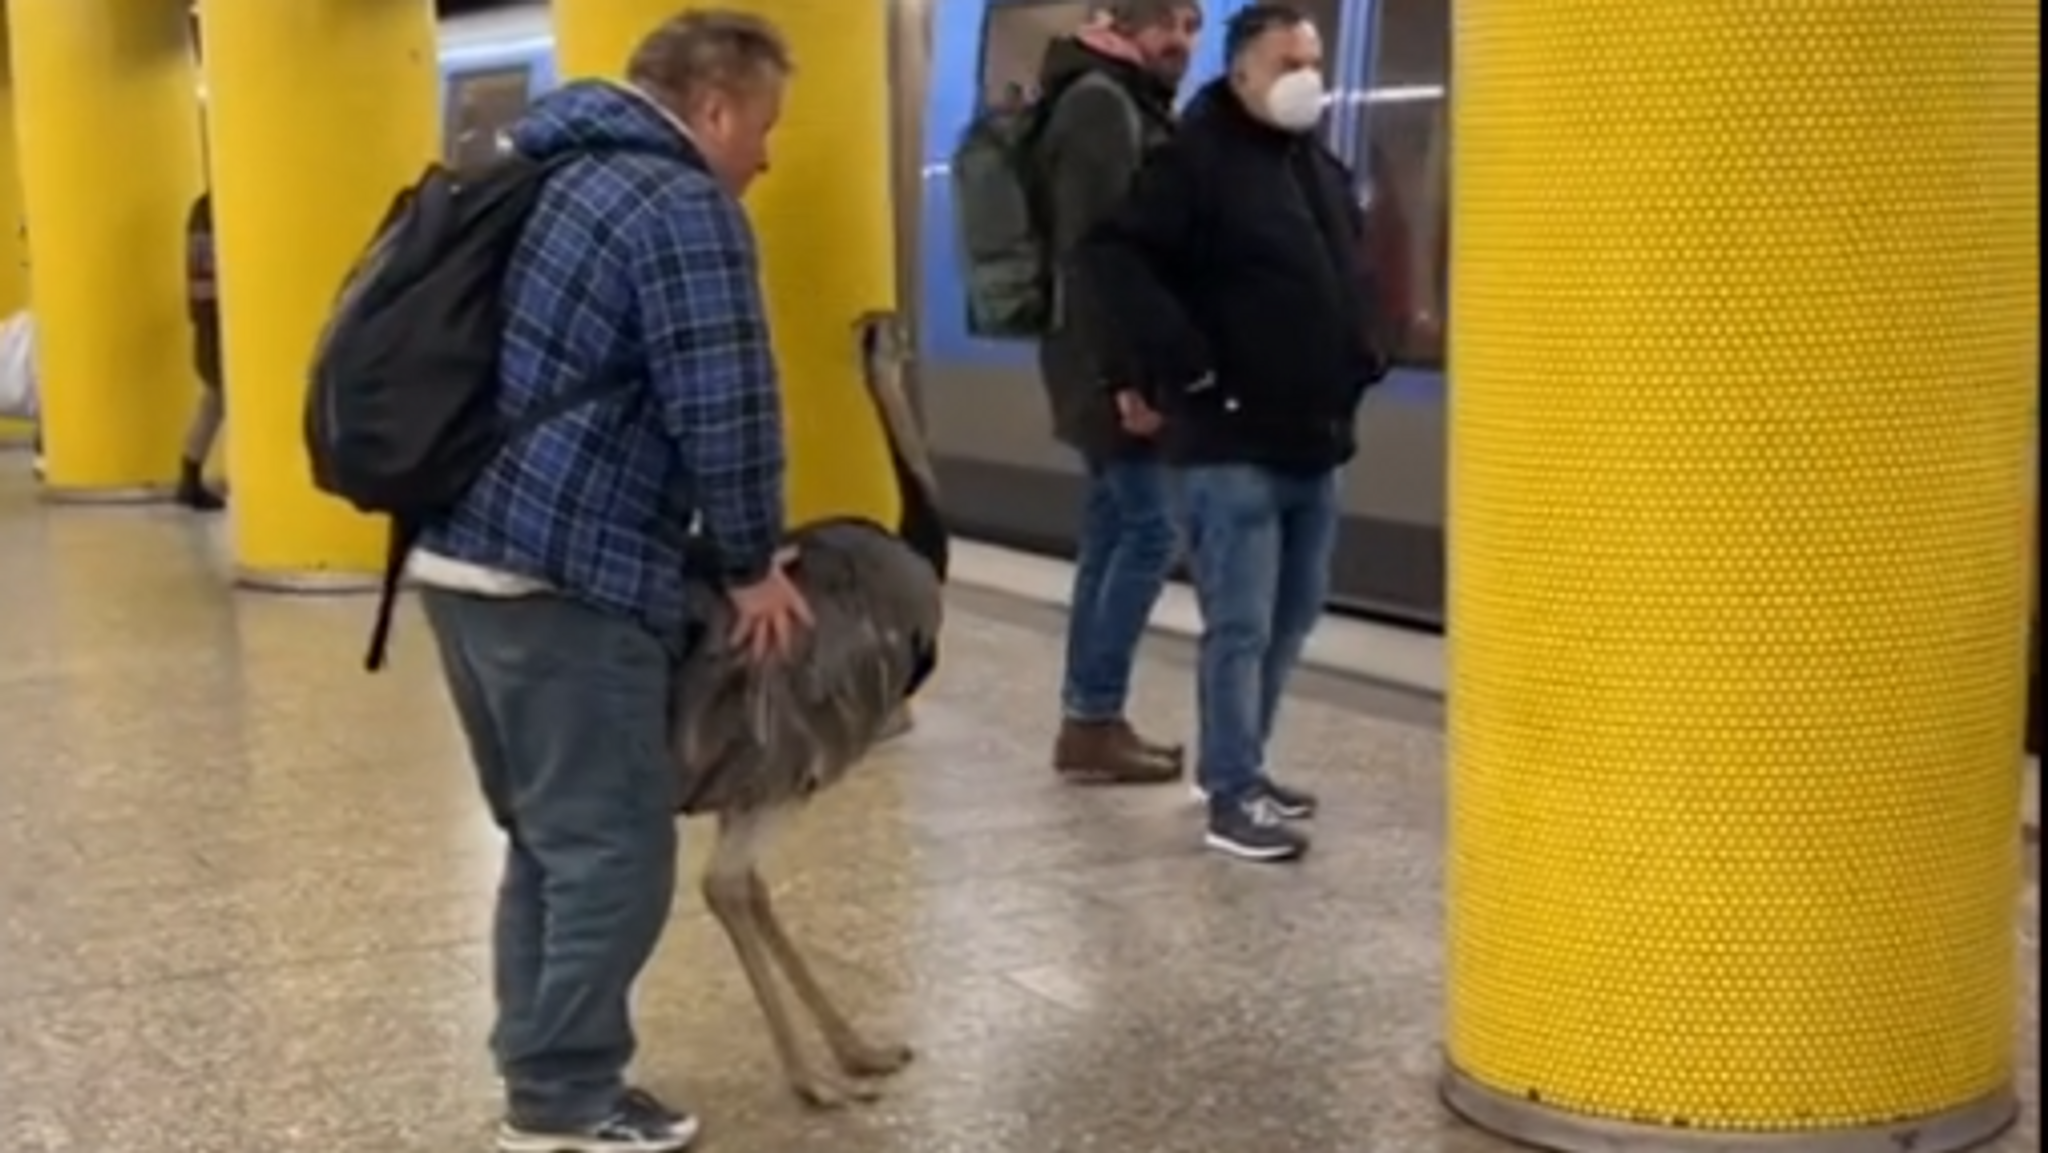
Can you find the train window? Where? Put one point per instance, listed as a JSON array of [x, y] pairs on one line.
[[482, 106], [1404, 153], [1014, 38], [1328, 17]]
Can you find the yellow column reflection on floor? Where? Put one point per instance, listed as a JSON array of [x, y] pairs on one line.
[[106, 113], [13, 252], [823, 218], [319, 111], [1746, 300]]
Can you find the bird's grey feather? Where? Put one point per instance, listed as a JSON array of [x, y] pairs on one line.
[[751, 736]]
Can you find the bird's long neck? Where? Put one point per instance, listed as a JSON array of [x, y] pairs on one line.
[[920, 525]]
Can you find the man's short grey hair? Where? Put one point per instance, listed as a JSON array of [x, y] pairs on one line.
[[709, 49], [1135, 14]]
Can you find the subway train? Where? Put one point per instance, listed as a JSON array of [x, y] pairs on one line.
[[1006, 480]]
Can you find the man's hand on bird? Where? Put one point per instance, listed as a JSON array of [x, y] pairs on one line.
[[769, 613]]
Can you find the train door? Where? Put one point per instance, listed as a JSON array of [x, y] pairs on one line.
[[1390, 555], [1401, 147]]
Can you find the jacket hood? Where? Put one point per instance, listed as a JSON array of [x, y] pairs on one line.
[[593, 115], [1067, 60]]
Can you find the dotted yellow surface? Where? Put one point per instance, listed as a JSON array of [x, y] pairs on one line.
[[1743, 388]]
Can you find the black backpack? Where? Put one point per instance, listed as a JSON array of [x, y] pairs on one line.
[[1005, 264], [401, 413]]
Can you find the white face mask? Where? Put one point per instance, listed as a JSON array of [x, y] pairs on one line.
[[1295, 101]]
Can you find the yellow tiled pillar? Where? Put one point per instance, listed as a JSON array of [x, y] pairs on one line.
[[824, 223], [1746, 300], [318, 113], [13, 250], [106, 117]]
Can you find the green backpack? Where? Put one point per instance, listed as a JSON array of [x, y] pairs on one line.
[[1005, 262]]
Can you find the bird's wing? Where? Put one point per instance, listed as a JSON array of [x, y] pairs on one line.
[[776, 727]]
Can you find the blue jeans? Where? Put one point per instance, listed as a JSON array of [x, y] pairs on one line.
[[567, 714], [1125, 550], [1261, 543]]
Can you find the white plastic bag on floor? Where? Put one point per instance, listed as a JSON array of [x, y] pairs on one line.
[[18, 366]]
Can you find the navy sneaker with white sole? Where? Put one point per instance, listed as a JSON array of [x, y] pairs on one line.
[[640, 1124], [1291, 804], [1254, 831]]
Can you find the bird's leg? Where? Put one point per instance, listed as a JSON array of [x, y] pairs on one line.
[[856, 1054], [728, 891]]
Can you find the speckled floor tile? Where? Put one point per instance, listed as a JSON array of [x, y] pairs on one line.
[[244, 896]]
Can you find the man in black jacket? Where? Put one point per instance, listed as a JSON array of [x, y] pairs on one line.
[[1244, 315], [1107, 95]]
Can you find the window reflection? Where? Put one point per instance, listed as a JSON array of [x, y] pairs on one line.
[[1404, 152], [1013, 43], [482, 107], [1328, 17]]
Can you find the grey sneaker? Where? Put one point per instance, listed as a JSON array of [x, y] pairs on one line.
[[1254, 831], [1289, 804]]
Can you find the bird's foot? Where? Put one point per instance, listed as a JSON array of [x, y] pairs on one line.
[[822, 1091], [868, 1059]]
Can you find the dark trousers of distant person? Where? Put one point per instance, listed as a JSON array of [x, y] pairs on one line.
[[204, 429], [567, 711]]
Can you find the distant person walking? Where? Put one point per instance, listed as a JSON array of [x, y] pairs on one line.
[[202, 294]]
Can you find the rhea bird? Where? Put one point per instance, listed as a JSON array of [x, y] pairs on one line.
[[754, 741]]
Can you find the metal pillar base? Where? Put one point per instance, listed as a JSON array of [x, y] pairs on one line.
[[108, 497], [311, 583], [1540, 1126]]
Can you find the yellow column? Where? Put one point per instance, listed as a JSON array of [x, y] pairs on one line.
[[824, 222], [1746, 299], [107, 122], [13, 251], [319, 112]]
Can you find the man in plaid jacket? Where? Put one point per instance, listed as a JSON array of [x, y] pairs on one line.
[[555, 589]]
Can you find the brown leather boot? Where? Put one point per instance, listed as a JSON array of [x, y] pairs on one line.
[[1112, 753]]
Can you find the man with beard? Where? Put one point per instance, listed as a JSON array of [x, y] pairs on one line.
[[1107, 98]]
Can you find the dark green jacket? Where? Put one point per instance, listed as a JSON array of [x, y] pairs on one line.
[[1086, 154]]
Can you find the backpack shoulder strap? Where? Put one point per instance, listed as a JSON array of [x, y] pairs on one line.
[[1134, 120]]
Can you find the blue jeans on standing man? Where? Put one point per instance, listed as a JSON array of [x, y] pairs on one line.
[[1260, 542], [566, 709], [1125, 550]]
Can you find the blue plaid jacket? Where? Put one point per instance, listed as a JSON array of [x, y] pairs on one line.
[[636, 267]]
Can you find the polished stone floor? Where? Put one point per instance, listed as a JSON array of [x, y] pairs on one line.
[[243, 890]]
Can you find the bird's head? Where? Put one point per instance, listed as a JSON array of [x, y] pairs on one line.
[[882, 349]]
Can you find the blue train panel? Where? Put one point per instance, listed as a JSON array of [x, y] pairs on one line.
[[492, 66]]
